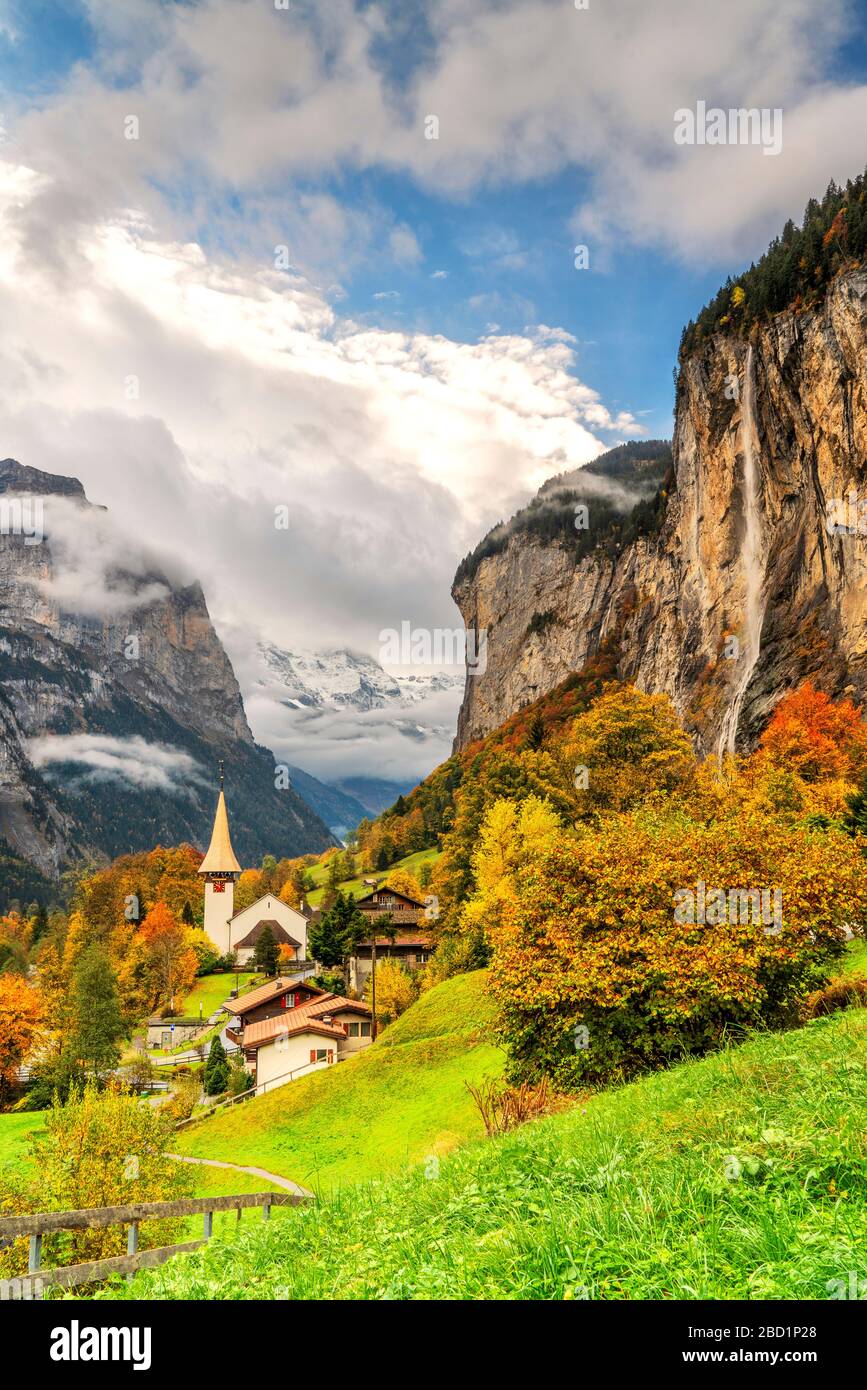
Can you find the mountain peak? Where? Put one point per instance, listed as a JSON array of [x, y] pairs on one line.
[[20, 477]]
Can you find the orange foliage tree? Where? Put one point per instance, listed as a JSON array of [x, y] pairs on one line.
[[591, 940], [170, 959], [815, 737], [20, 1018]]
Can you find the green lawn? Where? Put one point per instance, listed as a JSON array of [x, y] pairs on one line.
[[741, 1176], [400, 1102], [855, 960], [213, 990], [412, 863], [16, 1132]]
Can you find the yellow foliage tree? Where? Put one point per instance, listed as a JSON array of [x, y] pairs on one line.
[[402, 881], [395, 990]]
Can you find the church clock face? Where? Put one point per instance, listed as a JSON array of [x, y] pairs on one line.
[[219, 885]]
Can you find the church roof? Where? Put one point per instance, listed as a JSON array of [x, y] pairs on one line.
[[220, 857], [281, 935]]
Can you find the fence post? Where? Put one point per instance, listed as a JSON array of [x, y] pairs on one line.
[[208, 1225], [35, 1256], [266, 1211]]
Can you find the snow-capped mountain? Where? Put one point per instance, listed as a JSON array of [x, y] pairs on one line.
[[342, 679], [340, 715]]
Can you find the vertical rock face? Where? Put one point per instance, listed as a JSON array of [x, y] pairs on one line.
[[116, 697], [666, 606]]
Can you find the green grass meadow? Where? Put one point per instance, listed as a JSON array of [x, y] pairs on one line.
[[741, 1176], [399, 1102]]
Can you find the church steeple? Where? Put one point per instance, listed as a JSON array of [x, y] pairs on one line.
[[220, 857], [220, 869]]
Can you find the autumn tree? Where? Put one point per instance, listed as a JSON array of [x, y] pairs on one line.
[[814, 737], [20, 1018], [402, 881], [100, 1149], [396, 989], [171, 961], [598, 972]]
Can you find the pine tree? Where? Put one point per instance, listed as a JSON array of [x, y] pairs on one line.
[[216, 1074], [266, 953]]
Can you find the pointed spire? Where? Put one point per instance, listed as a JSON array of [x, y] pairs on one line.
[[220, 857]]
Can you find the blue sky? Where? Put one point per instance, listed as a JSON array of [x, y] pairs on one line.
[[503, 253], [431, 354]]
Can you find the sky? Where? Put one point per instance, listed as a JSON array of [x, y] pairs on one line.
[[240, 278]]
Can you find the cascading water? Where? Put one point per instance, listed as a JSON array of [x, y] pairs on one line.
[[754, 608]]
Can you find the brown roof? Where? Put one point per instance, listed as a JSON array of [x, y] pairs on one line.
[[306, 1018], [383, 888], [245, 1002], [281, 935]]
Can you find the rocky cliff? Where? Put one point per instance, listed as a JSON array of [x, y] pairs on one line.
[[117, 699], [730, 555]]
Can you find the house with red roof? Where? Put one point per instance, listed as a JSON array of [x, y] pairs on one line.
[[288, 1028]]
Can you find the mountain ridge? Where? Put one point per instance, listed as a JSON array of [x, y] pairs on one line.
[[118, 701]]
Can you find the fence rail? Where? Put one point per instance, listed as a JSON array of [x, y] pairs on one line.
[[32, 1285], [257, 1090]]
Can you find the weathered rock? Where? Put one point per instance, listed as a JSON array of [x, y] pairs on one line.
[[667, 604], [154, 671]]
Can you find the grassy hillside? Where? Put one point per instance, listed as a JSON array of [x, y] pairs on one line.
[[397, 1103], [411, 862], [739, 1176]]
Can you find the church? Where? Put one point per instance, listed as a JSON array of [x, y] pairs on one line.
[[239, 931]]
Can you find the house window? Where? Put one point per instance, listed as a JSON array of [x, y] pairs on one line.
[[365, 1030], [289, 1001], [352, 1030], [321, 1054]]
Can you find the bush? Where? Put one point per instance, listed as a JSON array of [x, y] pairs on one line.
[[598, 980], [101, 1149], [839, 994], [503, 1107]]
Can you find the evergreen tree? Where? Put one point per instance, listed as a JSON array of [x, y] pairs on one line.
[[40, 922], [216, 1074], [97, 1024], [337, 933], [187, 915], [266, 953]]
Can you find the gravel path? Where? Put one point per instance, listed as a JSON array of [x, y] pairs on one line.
[[285, 1183]]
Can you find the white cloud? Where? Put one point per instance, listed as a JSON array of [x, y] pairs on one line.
[[101, 758], [523, 90], [392, 451]]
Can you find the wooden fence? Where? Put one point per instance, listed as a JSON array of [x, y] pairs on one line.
[[33, 1284]]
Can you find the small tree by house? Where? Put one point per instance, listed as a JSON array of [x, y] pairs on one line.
[[267, 953], [216, 1074], [396, 989], [240, 1079]]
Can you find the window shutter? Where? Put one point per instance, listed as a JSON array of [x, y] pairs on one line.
[[330, 1056], [313, 1054]]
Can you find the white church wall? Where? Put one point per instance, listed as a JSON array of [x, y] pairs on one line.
[[294, 922]]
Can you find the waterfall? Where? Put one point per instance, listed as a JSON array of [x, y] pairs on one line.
[[754, 608]]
